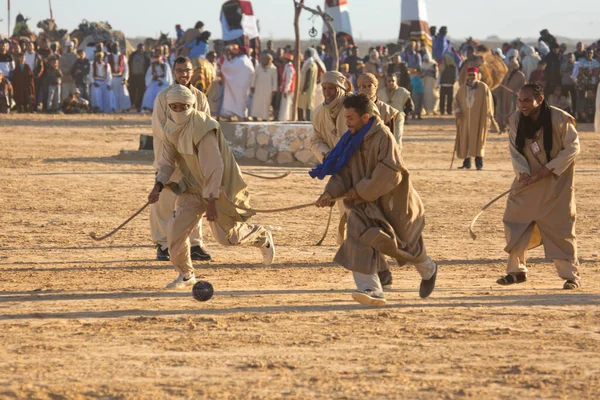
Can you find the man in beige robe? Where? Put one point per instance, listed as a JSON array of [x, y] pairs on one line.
[[507, 94], [541, 207], [211, 183], [162, 211], [368, 84], [386, 216], [473, 108], [263, 88], [308, 83], [399, 98], [329, 125]]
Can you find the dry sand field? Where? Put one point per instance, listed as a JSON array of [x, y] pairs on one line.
[[85, 319]]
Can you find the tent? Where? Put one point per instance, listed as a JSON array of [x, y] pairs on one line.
[[414, 23], [338, 10]]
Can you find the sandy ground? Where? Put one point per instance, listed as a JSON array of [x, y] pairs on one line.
[[85, 319]]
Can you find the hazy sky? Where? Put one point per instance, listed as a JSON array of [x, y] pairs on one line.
[[371, 19]]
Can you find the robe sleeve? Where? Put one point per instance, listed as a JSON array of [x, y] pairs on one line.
[[273, 76], [159, 118], [166, 163], [149, 75], [168, 79], [204, 106], [125, 68], [456, 103], [387, 174], [108, 75], [318, 145], [567, 155], [519, 162], [211, 165], [336, 187]]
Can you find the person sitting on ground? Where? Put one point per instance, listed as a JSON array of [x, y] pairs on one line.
[[75, 104]]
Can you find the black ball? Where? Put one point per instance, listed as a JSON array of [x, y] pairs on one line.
[[202, 291]]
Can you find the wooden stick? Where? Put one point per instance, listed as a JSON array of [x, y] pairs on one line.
[[267, 177], [273, 210], [93, 234], [488, 205], [455, 144], [320, 242]]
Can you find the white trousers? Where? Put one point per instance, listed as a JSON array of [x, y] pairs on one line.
[[160, 214]]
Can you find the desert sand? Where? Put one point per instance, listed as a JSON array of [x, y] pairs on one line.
[[85, 319]]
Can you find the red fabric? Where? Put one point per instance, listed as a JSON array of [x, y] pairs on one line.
[[23, 85], [246, 7], [283, 82], [472, 69], [111, 61]]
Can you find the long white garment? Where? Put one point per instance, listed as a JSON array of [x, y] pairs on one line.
[[287, 100], [530, 61], [122, 100], [237, 76], [101, 97], [597, 118], [158, 77], [264, 84]]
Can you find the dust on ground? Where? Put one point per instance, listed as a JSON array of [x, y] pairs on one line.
[[85, 319]]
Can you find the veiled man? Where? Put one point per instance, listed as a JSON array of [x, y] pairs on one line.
[[263, 88], [212, 184], [162, 211], [368, 84], [386, 216], [507, 94], [473, 107], [541, 207]]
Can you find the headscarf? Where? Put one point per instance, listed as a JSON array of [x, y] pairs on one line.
[[338, 79], [499, 53], [374, 56], [527, 129], [366, 79], [447, 61], [180, 94], [268, 57]]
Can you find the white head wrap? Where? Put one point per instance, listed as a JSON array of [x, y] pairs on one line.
[[181, 94]]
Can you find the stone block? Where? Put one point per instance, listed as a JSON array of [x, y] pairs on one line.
[[250, 152], [295, 145], [262, 154], [305, 156], [262, 139], [284, 157], [306, 143], [251, 140]]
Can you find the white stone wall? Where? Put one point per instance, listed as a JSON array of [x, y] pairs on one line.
[[271, 142]]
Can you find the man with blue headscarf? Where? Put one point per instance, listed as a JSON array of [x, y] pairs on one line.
[[385, 213]]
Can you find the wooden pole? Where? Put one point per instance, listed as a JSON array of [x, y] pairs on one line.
[[8, 4], [297, 10], [333, 40]]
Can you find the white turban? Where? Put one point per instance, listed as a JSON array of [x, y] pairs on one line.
[[180, 94]]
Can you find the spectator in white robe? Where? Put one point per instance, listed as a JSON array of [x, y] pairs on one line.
[[431, 96], [120, 73], [288, 86], [101, 95], [264, 87], [158, 77], [529, 62], [237, 73]]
